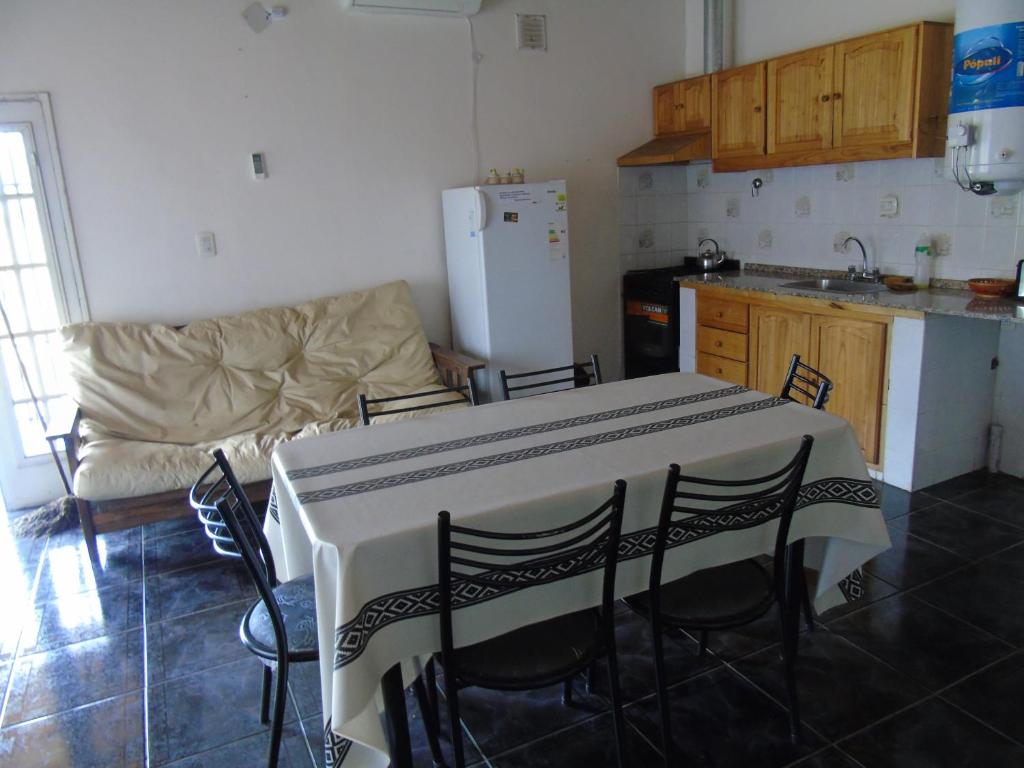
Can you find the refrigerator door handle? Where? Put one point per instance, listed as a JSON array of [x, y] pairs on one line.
[[478, 216]]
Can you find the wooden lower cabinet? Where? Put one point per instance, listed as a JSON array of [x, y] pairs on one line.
[[722, 368], [776, 334], [852, 353]]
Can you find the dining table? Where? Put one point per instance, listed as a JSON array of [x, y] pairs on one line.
[[359, 508]]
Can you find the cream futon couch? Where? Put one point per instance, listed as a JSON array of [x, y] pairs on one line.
[[155, 400]]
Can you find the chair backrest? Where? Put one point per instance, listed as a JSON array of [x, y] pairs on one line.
[[465, 393], [812, 384], [577, 374], [468, 561], [705, 507]]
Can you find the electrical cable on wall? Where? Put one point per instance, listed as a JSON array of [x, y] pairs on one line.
[[477, 57]]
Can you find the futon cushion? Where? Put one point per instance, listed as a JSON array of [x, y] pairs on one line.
[[547, 651], [271, 370], [297, 602], [714, 596]]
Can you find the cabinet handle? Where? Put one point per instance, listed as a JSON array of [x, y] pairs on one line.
[[718, 370], [718, 343], [719, 314], [837, 96], [825, 97], [757, 108]]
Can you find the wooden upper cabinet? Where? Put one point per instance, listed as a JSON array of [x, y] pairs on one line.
[[875, 85], [683, 106], [695, 97], [775, 336], [852, 353], [665, 109], [737, 109], [800, 96]]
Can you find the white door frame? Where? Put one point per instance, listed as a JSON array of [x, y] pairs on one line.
[[37, 479]]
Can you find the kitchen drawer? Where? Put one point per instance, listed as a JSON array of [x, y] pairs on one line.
[[722, 368], [727, 315], [729, 344]]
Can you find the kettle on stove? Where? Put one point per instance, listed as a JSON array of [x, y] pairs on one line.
[[709, 260]]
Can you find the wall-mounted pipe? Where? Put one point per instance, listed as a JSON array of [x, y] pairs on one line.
[[718, 35]]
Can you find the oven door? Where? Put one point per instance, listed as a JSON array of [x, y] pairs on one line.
[[650, 344]]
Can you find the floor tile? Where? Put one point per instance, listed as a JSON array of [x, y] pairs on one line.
[[209, 709], [501, 720], [182, 592], [719, 719], [106, 734], [187, 522], [933, 735], [1005, 504], [912, 561], [841, 689], [972, 481], [636, 660], [421, 754], [926, 644], [313, 729], [590, 744], [197, 641], [304, 685], [67, 569], [252, 751], [995, 695], [83, 616], [983, 594], [54, 681], [828, 758], [177, 551], [967, 533], [733, 644], [895, 501], [875, 589]]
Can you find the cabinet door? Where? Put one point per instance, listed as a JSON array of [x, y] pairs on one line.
[[737, 106], [775, 336], [694, 96], [800, 101], [875, 89], [852, 354], [665, 109]]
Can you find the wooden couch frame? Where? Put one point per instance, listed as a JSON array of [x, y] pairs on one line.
[[109, 515]]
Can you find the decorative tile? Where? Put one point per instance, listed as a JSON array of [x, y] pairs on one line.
[[252, 751], [51, 682], [187, 644], [720, 719], [83, 616], [67, 570], [932, 734], [182, 592], [995, 695], [588, 745], [911, 561], [101, 735], [955, 528], [828, 665], [180, 550], [924, 643]]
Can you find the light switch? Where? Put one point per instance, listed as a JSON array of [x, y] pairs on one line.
[[889, 207], [206, 244]]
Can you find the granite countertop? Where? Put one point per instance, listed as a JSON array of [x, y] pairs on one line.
[[940, 301]]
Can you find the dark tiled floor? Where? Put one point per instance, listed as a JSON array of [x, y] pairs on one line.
[[138, 662]]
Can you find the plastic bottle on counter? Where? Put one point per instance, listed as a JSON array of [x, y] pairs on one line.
[[923, 265]]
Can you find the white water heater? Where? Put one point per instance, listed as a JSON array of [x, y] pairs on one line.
[[986, 101]]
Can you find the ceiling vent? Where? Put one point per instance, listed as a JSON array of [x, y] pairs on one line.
[[531, 32], [429, 7]]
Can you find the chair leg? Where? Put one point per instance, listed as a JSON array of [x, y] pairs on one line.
[[661, 681], [430, 721], [789, 613], [591, 671], [277, 723], [617, 719], [805, 601], [88, 529], [567, 693], [455, 721], [431, 672], [265, 695]]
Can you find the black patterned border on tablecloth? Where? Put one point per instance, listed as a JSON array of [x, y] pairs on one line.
[[351, 639], [335, 747], [852, 586], [533, 452], [511, 434], [272, 508]]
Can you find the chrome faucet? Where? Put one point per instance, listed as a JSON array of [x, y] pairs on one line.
[[865, 274]]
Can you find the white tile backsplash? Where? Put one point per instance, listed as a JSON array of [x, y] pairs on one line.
[[805, 208]]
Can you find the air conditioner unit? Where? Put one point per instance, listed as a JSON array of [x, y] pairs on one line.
[[429, 7]]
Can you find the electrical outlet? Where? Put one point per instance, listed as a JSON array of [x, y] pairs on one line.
[[889, 207], [1003, 207], [206, 244]]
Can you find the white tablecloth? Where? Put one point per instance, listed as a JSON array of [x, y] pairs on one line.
[[367, 499]]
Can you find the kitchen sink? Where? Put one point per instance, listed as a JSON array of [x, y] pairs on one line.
[[835, 285]]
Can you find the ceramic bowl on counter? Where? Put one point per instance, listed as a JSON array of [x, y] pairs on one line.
[[991, 287]]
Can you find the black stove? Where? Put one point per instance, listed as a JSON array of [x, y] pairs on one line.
[[650, 304]]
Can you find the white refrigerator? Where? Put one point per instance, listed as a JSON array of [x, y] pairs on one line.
[[508, 277]]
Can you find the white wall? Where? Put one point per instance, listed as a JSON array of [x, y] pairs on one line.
[[363, 119]]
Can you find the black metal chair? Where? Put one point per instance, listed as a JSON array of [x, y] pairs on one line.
[[732, 595], [582, 375], [812, 384], [542, 654], [280, 628], [465, 393]]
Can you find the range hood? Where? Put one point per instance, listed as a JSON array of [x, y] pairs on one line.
[[670, 149]]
